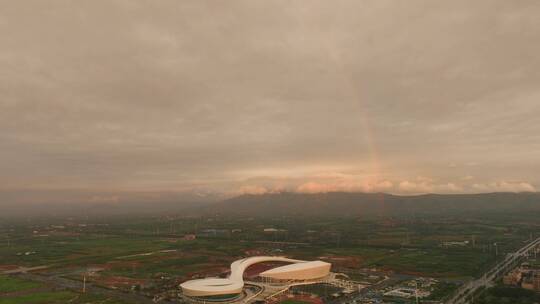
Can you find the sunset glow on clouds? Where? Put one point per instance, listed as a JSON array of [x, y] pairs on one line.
[[337, 182]]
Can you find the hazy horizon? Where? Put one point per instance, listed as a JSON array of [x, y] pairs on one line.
[[124, 100]]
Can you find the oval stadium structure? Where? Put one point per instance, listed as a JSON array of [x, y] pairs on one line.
[[232, 286]]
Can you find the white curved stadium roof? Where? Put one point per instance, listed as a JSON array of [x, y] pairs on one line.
[[300, 270]]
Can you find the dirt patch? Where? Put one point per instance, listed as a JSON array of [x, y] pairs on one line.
[[6, 267], [25, 292], [300, 298], [209, 271], [344, 261], [412, 273], [119, 281]]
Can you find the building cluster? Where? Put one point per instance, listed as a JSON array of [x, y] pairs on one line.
[[524, 277], [420, 287], [455, 244]]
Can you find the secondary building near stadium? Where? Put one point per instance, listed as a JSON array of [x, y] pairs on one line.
[[231, 287]]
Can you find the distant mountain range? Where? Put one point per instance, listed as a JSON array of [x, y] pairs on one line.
[[278, 204], [371, 204], [62, 203]]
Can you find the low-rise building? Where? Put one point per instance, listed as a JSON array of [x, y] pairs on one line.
[[512, 278], [189, 237], [531, 280]]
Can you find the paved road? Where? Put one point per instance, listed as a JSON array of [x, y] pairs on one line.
[[460, 297], [24, 269]]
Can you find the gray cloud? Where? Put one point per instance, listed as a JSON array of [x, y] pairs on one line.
[[235, 95]]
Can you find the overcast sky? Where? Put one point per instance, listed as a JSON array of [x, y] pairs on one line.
[[230, 97]]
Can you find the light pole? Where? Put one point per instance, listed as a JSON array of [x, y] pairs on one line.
[[416, 291], [84, 284]]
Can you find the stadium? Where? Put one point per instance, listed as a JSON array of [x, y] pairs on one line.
[[226, 289]]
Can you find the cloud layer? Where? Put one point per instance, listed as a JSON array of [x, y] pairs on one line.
[[334, 182], [253, 96]]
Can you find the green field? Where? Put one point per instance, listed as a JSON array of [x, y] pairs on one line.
[[18, 291], [508, 295], [10, 284], [151, 255], [437, 262], [58, 297], [40, 298]]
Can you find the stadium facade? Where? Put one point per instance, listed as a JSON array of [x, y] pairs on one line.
[[296, 271]]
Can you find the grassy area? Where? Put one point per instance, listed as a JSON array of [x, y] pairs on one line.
[[293, 302], [11, 284], [96, 299], [442, 290], [50, 297], [76, 250], [507, 295], [431, 261], [59, 297], [322, 290], [437, 262], [146, 267]]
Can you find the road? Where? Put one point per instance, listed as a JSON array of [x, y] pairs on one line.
[[461, 296], [24, 269]]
